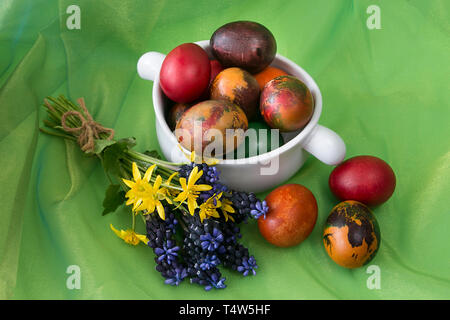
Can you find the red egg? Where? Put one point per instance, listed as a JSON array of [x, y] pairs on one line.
[[216, 68], [366, 179], [185, 73]]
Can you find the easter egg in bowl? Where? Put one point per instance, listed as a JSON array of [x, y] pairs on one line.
[[286, 103], [264, 171], [212, 118]]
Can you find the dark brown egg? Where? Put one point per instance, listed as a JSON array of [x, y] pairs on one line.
[[244, 44]]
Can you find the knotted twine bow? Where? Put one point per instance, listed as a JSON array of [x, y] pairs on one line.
[[88, 130]]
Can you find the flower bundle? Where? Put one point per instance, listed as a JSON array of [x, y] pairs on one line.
[[192, 220]]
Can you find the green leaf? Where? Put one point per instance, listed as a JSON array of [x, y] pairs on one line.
[[113, 153], [114, 197], [101, 144], [153, 154], [126, 143], [111, 156]]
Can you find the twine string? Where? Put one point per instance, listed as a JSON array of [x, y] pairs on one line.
[[88, 130]]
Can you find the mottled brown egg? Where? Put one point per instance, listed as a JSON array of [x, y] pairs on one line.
[[212, 127]]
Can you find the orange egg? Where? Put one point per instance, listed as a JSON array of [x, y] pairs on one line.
[[268, 74], [291, 217]]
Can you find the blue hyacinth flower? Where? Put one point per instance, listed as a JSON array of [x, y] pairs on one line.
[[212, 241], [215, 282], [176, 276], [261, 209], [209, 262], [168, 252], [247, 266]]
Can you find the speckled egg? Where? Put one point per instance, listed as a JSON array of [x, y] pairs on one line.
[[212, 127]]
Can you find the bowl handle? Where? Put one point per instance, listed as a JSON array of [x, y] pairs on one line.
[[326, 145], [149, 65]]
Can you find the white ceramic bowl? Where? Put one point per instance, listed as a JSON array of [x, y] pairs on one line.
[[258, 173]]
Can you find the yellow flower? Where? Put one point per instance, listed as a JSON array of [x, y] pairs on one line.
[[153, 202], [129, 236], [140, 188], [191, 190], [226, 209], [168, 193], [209, 207], [198, 159]]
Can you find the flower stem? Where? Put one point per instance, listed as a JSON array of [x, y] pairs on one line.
[[162, 163], [57, 134]]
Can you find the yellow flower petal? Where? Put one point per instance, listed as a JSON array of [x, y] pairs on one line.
[[136, 172], [214, 214], [227, 208], [151, 206], [192, 205], [183, 183], [163, 193], [136, 204], [161, 211], [211, 161], [157, 183], [117, 232], [149, 172], [202, 187], [193, 177], [192, 157], [140, 207], [181, 197], [198, 175], [142, 238], [187, 155], [178, 205], [171, 177], [202, 215], [129, 183]]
